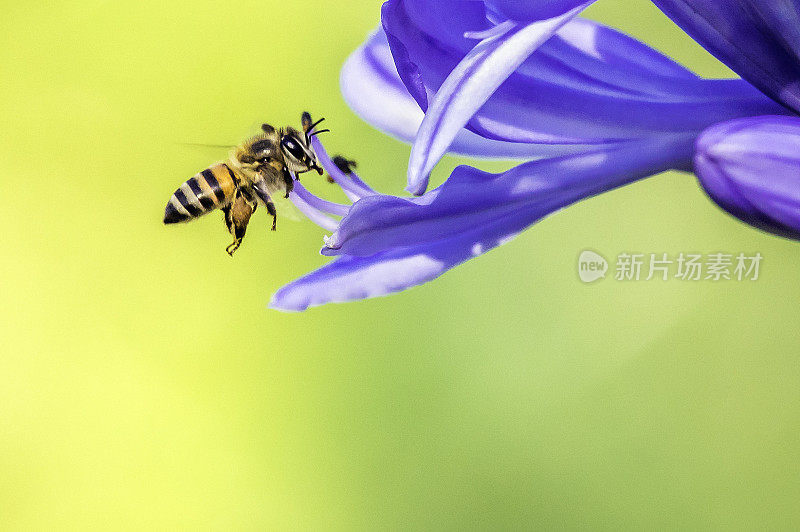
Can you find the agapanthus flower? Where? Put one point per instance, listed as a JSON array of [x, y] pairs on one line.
[[590, 108]]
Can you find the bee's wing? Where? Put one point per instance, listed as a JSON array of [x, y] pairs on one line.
[[203, 145], [286, 209], [283, 206]]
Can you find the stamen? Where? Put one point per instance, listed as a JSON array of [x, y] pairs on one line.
[[312, 213], [337, 209], [354, 187], [357, 180]]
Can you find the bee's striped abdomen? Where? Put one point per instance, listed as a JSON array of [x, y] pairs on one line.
[[206, 191]]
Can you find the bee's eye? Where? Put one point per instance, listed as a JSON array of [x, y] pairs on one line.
[[263, 160], [292, 147]]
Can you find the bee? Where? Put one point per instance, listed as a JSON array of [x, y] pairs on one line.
[[256, 169]]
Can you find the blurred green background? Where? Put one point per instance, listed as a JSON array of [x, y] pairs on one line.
[[144, 383]]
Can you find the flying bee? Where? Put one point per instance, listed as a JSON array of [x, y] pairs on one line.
[[259, 167]]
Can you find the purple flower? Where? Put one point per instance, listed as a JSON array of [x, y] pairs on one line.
[[590, 108], [751, 167]]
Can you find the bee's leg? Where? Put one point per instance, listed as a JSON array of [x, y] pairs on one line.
[[232, 230], [263, 195], [305, 120], [288, 181], [238, 229], [233, 247], [308, 125], [237, 216], [271, 210]]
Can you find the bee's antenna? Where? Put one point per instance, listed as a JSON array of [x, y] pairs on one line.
[[309, 127], [315, 124]]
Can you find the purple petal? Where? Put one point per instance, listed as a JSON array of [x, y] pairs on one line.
[[526, 10], [758, 39], [587, 85], [751, 168], [313, 213], [352, 278], [467, 88], [320, 204], [470, 214], [471, 198], [373, 89]]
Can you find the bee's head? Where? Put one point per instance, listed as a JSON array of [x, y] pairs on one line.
[[297, 152]]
